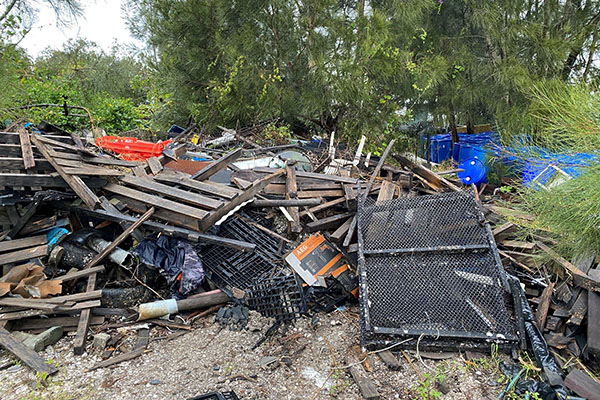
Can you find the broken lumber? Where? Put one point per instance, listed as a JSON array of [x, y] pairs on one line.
[[25, 354]]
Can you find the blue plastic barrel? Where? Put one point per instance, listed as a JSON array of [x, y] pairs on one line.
[[475, 171]]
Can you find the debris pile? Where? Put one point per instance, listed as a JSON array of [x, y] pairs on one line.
[[96, 243]]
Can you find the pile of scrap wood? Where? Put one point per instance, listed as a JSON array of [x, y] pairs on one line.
[[564, 294], [92, 243]]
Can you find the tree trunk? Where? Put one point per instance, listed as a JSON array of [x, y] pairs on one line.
[[591, 55], [452, 122]]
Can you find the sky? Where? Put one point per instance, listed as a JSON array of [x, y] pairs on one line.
[[102, 22]]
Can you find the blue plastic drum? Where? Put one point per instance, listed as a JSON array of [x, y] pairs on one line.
[[474, 171]]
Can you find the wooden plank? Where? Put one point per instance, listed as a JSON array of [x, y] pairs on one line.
[[14, 150], [16, 163], [583, 385], [364, 383], [390, 360], [171, 217], [154, 165], [25, 354], [502, 228], [45, 323], [30, 210], [10, 316], [174, 193], [517, 244], [437, 182], [156, 201], [171, 230], [387, 191], [100, 160], [542, 310], [140, 171], [313, 194], [328, 223], [378, 168], [79, 274], [118, 359], [75, 182], [143, 337], [23, 255], [119, 239], [91, 171], [252, 191], [315, 175], [55, 143], [285, 203], [26, 303], [593, 321], [291, 192], [43, 180], [14, 138], [580, 278], [22, 243], [217, 165], [351, 231], [26, 149], [214, 188], [84, 318], [350, 194], [342, 230], [324, 206]]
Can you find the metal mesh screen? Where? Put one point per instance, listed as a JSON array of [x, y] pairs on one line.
[[423, 222], [428, 266]]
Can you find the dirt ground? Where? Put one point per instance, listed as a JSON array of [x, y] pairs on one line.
[[305, 362]]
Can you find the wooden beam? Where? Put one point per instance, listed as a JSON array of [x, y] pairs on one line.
[[329, 222], [378, 168], [119, 239], [291, 192], [26, 149], [25, 354], [157, 201], [210, 187], [580, 278], [364, 383], [75, 182], [170, 230], [315, 175], [593, 327], [174, 193], [84, 320], [154, 165], [583, 385], [285, 203], [437, 182], [252, 191], [43, 180], [542, 311], [217, 165], [23, 255], [23, 243]]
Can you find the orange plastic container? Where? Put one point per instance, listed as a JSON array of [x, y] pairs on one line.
[[130, 148]]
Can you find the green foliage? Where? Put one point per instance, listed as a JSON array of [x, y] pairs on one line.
[[427, 385], [567, 119], [327, 65], [114, 87]]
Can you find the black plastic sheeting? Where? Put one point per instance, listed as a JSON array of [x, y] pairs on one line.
[[543, 357], [173, 257]]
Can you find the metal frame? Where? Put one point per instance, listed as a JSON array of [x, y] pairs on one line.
[[382, 335]]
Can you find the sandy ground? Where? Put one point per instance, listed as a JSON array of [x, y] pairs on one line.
[[307, 363]]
